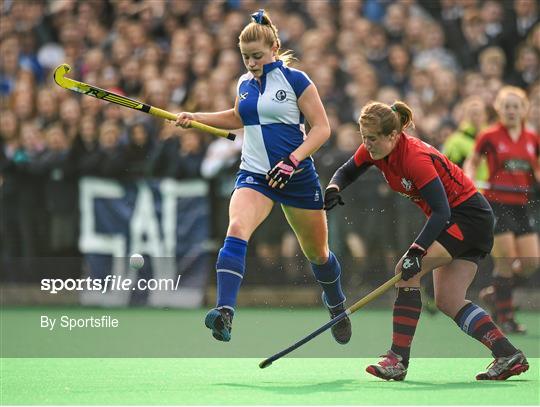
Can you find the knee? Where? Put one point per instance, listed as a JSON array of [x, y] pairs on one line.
[[238, 229], [317, 255], [445, 305]]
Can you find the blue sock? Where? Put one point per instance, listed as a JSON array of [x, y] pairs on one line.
[[230, 267], [328, 275]]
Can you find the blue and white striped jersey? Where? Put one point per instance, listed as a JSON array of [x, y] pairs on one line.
[[273, 123]]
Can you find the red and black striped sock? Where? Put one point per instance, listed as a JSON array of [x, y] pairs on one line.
[[504, 306], [474, 321], [407, 308]]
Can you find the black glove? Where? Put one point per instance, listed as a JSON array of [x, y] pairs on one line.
[[412, 262], [282, 172], [332, 198]]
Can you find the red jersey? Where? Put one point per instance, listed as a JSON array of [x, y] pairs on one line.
[[510, 163], [412, 164]]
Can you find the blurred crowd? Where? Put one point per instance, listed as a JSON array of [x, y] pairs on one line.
[[447, 59]]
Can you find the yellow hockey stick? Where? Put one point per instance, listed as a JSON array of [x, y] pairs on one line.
[[86, 89]]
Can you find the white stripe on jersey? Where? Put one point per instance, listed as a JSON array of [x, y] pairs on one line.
[[254, 157], [271, 109]]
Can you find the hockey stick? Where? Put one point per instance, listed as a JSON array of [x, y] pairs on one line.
[[353, 308], [503, 188], [99, 93]]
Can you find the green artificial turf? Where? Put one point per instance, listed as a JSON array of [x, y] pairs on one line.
[[220, 381], [168, 357]]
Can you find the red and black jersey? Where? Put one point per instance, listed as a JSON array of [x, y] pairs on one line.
[[511, 163], [412, 164]]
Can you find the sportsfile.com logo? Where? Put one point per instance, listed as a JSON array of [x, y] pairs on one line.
[[109, 283]]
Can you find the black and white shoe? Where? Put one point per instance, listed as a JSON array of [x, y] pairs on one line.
[[342, 331], [219, 320]]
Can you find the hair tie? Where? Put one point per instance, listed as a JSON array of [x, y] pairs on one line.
[[258, 16], [393, 107]]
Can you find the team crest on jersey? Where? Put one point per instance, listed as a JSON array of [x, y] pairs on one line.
[[243, 96], [406, 184], [503, 148], [281, 96]]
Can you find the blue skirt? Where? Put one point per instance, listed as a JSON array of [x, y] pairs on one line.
[[304, 192]]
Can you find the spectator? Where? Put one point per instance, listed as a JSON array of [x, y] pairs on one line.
[[61, 190], [533, 118], [177, 83], [70, 115], [24, 99], [9, 64], [9, 153], [395, 21], [138, 150], [473, 118], [85, 151], [376, 49], [432, 50], [399, 62], [492, 14], [47, 107], [446, 90], [471, 40], [112, 162], [519, 25], [492, 63], [33, 228], [527, 67]]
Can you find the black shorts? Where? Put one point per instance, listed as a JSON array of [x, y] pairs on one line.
[[511, 218], [469, 233]]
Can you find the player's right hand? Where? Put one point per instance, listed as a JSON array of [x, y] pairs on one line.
[[184, 119], [332, 198]]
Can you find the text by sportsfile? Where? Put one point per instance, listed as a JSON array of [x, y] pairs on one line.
[[104, 321]]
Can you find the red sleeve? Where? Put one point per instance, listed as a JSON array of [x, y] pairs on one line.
[[362, 156], [420, 169], [479, 146]]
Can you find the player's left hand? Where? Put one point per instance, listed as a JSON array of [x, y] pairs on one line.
[[412, 262], [282, 172], [332, 198]]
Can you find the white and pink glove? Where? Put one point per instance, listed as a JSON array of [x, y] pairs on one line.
[[282, 171]]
